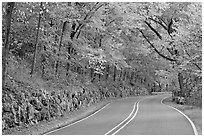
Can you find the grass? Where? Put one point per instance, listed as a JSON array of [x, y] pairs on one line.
[[193, 112]]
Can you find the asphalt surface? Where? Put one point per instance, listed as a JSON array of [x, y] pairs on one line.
[[155, 118], [132, 116], [103, 121]]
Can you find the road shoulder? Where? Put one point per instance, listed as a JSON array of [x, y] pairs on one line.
[[194, 113]]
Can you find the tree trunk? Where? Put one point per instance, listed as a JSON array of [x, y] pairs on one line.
[[36, 42], [5, 51], [128, 76], [114, 73], [121, 74], [67, 73], [132, 76], [124, 75], [107, 72], [60, 44], [43, 70], [78, 69], [180, 79], [43, 62], [91, 73], [154, 87], [160, 87], [99, 77]]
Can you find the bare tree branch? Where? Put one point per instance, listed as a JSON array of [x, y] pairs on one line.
[[159, 22], [194, 63], [155, 31], [88, 16], [167, 58]]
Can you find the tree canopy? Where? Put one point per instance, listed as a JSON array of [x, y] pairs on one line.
[[150, 43]]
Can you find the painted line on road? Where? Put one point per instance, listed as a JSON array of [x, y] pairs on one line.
[[128, 120], [77, 121], [123, 120], [192, 124]]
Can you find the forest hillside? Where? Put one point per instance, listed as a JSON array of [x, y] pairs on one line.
[[61, 56]]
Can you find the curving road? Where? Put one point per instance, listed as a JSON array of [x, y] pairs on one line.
[[132, 116], [155, 118]]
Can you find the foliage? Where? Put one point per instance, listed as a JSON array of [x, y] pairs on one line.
[[118, 48]]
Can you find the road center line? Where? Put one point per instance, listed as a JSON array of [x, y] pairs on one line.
[[192, 124], [128, 120], [123, 120]]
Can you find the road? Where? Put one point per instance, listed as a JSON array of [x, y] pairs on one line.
[[132, 116], [154, 118]]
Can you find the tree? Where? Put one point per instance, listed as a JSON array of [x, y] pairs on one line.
[[36, 41], [133, 40], [5, 51]]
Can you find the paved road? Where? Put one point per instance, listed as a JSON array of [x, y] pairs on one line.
[[134, 117], [154, 118], [103, 121]]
